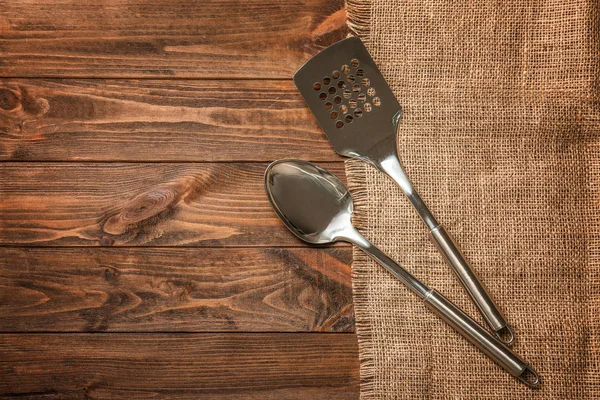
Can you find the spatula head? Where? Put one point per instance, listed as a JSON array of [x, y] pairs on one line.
[[349, 97]]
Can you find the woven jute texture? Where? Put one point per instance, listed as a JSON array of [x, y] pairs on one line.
[[499, 135]]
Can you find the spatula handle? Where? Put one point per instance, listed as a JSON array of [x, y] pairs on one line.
[[453, 257], [390, 165]]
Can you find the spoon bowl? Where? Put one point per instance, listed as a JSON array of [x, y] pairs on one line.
[[313, 203]]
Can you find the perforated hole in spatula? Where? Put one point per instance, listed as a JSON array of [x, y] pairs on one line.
[[350, 90]]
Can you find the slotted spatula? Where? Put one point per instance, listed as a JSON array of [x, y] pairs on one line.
[[359, 114]]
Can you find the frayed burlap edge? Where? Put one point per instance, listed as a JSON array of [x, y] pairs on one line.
[[359, 18], [355, 172], [359, 22]]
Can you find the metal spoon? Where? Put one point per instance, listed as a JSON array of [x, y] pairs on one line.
[[317, 207]]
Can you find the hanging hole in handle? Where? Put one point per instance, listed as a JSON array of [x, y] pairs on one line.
[[505, 335], [530, 378]]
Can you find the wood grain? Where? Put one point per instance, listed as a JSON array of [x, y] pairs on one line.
[[145, 290], [184, 366], [177, 38], [166, 113], [157, 120], [70, 204]]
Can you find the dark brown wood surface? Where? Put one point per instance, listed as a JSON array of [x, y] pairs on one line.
[[153, 38], [139, 256], [158, 120], [174, 289], [180, 366], [149, 204]]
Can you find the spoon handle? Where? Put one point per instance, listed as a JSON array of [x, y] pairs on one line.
[[453, 316], [481, 338]]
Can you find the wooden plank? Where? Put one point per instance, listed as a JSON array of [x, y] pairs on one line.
[[157, 120], [176, 38], [74, 204], [182, 366], [201, 290]]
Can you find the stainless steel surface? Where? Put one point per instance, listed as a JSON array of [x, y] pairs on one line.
[[359, 114], [317, 207]]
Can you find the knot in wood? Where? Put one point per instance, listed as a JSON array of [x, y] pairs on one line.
[[147, 206], [9, 100], [110, 273]]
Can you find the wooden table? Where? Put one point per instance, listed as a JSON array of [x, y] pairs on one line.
[[139, 256]]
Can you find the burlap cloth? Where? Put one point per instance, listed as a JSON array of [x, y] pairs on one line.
[[500, 137]]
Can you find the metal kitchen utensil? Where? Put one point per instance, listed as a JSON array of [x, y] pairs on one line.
[[317, 207], [359, 114]]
